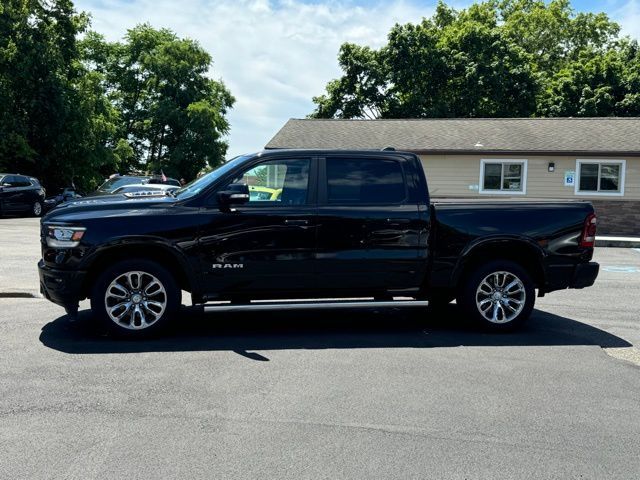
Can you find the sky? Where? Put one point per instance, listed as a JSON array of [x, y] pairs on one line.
[[276, 55]]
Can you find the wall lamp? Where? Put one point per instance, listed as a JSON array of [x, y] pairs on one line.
[[551, 167]]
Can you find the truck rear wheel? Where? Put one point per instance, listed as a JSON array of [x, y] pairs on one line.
[[135, 298], [500, 295]]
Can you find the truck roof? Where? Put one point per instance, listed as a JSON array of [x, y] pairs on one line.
[[320, 151]]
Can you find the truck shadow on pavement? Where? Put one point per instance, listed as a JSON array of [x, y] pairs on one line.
[[244, 333]]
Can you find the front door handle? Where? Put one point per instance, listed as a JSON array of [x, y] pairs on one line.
[[296, 222]]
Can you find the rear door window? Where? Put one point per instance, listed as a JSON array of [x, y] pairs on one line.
[[365, 182], [22, 181]]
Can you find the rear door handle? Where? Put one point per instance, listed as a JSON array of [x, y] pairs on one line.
[[296, 222]]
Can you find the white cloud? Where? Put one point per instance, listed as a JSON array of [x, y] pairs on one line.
[[629, 18], [273, 55]]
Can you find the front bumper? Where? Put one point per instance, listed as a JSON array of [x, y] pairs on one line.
[[62, 287]]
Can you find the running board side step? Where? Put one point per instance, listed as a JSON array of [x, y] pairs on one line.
[[307, 305]]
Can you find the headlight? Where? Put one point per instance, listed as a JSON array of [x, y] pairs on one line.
[[64, 237]]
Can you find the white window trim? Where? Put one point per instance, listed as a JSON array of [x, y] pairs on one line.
[[580, 161], [484, 161]]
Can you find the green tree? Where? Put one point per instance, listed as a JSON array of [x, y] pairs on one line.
[[55, 121], [494, 59], [596, 85], [172, 114], [553, 33], [464, 69]]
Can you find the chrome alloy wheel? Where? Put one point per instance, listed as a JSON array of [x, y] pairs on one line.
[[135, 300], [500, 297], [37, 209]]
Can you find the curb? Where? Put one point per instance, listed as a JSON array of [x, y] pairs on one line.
[[624, 242]]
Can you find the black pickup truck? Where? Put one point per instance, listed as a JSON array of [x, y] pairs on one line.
[[265, 231]]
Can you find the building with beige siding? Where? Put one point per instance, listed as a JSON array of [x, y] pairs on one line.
[[596, 159]]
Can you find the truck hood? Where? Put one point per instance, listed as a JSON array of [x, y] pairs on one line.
[[109, 205]]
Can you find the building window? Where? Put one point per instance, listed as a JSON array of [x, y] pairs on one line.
[[505, 177], [600, 177]]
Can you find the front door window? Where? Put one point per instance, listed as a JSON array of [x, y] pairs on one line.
[[278, 182]]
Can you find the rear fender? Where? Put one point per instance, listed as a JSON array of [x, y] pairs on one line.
[[522, 250]]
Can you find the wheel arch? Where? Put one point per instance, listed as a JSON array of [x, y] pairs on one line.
[[524, 252], [165, 256]]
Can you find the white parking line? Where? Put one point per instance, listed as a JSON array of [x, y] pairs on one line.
[[620, 269]]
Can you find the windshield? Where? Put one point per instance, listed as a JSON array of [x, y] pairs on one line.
[[116, 182], [193, 188]]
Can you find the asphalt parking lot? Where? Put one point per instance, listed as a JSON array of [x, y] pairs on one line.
[[354, 394]]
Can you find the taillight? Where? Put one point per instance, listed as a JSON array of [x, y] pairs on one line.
[[588, 238]]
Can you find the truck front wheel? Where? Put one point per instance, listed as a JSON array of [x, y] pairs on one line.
[[499, 295], [134, 298]]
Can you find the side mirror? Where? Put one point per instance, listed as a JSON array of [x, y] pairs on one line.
[[234, 194]]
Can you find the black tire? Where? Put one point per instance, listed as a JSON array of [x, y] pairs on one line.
[[141, 304], [36, 208], [493, 296]]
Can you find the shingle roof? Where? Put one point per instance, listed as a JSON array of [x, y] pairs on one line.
[[496, 135]]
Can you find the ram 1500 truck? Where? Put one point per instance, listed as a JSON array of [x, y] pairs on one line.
[[344, 225]]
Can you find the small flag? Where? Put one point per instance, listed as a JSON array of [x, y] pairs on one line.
[[164, 177]]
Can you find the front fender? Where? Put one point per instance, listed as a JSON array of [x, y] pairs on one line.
[[156, 248]]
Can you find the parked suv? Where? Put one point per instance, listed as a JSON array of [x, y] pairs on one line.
[[20, 194], [65, 195]]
